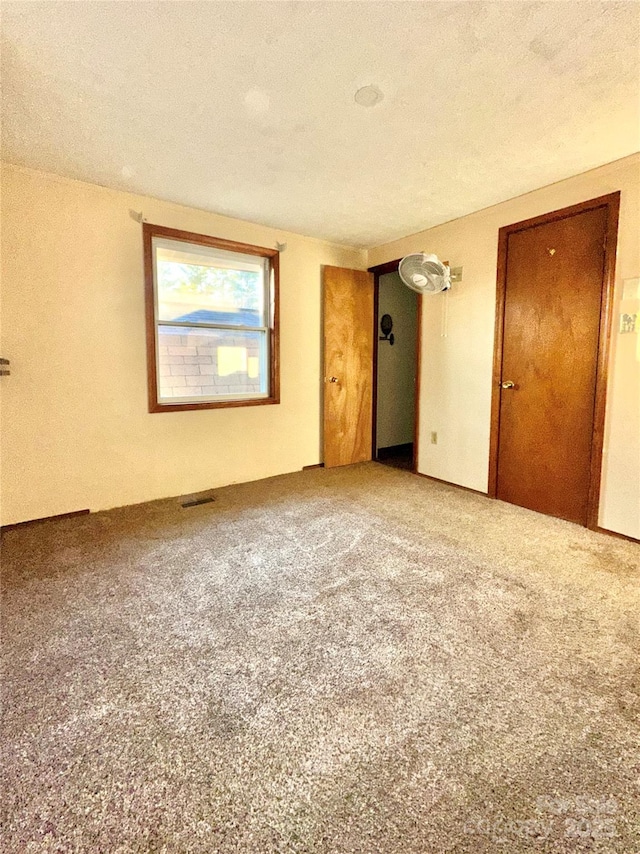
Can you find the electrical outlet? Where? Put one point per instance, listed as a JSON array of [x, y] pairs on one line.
[[434, 437]]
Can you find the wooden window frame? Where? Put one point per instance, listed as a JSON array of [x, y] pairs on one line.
[[150, 231]]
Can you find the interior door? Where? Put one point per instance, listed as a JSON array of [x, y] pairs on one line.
[[552, 313], [348, 297]]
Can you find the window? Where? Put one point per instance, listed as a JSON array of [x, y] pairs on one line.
[[212, 321]]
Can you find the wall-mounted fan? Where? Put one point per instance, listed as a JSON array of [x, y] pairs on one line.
[[425, 274]]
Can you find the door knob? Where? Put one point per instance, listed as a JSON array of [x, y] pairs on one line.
[[333, 379], [508, 384]]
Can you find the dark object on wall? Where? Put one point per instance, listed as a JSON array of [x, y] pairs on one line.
[[386, 325]]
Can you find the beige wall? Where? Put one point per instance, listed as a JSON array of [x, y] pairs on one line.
[[75, 428], [455, 391], [397, 364]]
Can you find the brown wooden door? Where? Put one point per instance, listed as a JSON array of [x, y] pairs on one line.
[[348, 365], [552, 318]]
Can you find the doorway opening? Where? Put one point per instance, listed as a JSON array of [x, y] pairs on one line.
[[396, 319]]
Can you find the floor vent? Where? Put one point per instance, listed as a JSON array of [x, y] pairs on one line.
[[194, 502]]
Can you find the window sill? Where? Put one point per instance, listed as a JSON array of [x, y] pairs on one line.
[[213, 404]]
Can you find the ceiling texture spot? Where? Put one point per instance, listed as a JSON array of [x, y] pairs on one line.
[[368, 96], [247, 109], [257, 102]]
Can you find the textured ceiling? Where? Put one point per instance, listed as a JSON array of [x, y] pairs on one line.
[[247, 108]]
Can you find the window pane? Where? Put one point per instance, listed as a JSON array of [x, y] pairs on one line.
[[200, 364], [201, 284]]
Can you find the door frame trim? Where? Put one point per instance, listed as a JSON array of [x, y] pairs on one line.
[[611, 201], [382, 270]]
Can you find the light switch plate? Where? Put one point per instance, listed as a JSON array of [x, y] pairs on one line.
[[628, 322]]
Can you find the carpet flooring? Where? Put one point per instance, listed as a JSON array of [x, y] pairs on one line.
[[354, 660]]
